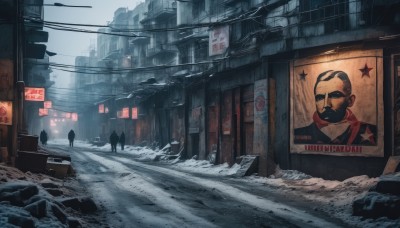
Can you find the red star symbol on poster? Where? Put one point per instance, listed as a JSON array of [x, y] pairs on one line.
[[368, 136], [365, 71], [303, 75]]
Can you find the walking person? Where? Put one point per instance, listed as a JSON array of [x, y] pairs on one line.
[[113, 141], [122, 140], [71, 137], [43, 137]]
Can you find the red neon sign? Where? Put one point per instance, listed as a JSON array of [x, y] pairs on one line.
[[47, 104], [74, 116], [134, 113], [101, 108], [34, 94], [43, 112]]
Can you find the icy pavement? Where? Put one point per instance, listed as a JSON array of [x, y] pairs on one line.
[[334, 197]]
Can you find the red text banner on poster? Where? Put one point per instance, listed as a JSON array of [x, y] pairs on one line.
[[134, 113], [334, 148], [6, 112], [47, 104], [34, 94], [43, 112]]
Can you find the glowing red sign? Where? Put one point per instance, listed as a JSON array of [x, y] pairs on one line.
[[6, 112], [74, 116], [134, 113], [43, 112], [34, 94], [47, 104], [101, 108], [125, 113]]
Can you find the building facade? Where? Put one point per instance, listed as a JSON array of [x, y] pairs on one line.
[[233, 78]]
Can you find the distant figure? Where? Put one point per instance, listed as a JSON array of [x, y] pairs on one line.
[[122, 140], [113, 141], [71, 137], [43, 137]]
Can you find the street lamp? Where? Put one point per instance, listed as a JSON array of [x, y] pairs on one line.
[[63, 5], [50, 53]]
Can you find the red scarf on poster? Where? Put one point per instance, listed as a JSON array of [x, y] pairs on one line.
[[349, 118]]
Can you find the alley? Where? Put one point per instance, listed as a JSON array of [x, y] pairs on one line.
[[149, 194]]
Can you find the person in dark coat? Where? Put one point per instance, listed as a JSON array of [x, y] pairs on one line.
[[113, 141], [43, 137], [71, 137], [122, 140]]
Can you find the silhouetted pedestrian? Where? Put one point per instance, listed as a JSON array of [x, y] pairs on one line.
[[122, 140], [43, 137], [113, 141], [71, 137]]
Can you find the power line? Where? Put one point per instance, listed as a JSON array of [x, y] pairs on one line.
[[97, 70]]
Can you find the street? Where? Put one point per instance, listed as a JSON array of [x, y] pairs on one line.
[[153, 194]]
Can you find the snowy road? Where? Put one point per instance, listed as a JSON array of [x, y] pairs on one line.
[[149, 194]]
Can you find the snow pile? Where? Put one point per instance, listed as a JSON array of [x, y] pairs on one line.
[[289, 174]]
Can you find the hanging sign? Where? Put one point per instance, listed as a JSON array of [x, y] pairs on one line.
[[34, 94], [74, 116], [106, 110], [125, 113], [101, 108], [43, 112], [47, 104], [218, 40], [6, 112], [134, 113]]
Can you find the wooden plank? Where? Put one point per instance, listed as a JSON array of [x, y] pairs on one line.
[[392, 165]]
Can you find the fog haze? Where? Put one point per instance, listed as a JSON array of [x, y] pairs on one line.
[[67, 44]]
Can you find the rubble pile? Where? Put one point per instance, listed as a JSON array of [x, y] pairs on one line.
[[36, 200], [382, 200]]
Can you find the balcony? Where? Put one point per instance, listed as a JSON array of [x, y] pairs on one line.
[[159, 10], [161, 49], [142, 38]]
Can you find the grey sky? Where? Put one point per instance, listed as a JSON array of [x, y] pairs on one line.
[[68, 45]]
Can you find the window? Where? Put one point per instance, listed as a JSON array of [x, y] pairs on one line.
[[198, 7], [333, 14]]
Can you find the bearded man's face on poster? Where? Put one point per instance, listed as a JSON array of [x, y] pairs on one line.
[[332, 98]]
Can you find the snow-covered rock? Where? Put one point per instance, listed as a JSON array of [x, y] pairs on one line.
[[32, 200]]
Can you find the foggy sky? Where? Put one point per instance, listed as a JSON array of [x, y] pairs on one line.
[[68, 45]]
